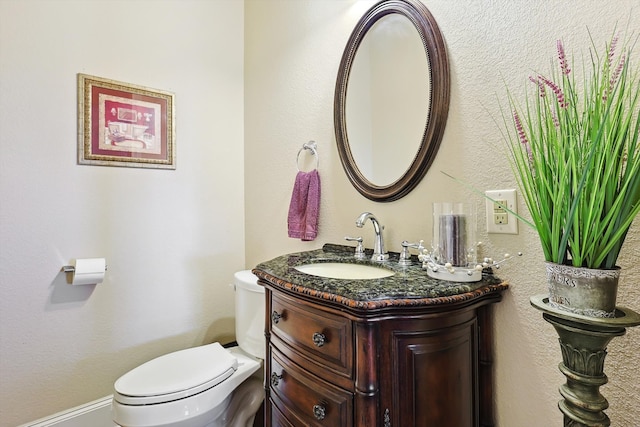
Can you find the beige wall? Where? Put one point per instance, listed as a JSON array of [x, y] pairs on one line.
[[172, 239], [292, 52]]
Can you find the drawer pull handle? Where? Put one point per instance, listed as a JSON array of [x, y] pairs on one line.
[[319, 411], [275, 316], [319, 339], [275, 379]]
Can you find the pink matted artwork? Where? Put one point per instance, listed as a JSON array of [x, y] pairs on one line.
[[121, 124]]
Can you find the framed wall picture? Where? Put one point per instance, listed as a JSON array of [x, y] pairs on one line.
[[120, 124]]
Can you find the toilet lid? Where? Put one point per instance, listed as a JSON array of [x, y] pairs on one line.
[[176, 375]]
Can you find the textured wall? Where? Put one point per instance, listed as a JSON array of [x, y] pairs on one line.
[[172, 239], [293, 49]]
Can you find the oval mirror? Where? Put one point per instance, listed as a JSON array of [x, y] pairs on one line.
[[392, 99]]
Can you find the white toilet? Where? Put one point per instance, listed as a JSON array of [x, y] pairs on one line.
[[206, 386]]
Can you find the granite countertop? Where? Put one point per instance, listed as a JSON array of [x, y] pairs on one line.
[[409, 286]]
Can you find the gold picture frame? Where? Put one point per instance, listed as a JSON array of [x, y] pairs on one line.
[[121, 124]]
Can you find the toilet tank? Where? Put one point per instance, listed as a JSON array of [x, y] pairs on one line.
[[249, 313]]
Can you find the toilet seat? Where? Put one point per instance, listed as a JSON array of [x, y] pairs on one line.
[[176, 375]]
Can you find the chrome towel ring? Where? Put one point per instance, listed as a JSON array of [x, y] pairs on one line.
[[310, 146]]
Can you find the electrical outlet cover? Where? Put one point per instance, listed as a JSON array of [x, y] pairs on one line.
[[496, 223]]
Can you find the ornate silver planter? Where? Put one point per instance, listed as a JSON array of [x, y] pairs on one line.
[[583, 291]]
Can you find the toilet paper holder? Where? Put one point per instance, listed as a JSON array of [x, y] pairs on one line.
[[72, 268], [86, 271]]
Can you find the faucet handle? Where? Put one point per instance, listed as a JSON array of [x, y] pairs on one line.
[[359, 254], [405, 255]]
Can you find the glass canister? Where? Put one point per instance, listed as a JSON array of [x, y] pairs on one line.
[[454, 239]]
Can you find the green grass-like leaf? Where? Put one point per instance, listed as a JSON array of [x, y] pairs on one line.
[[575, 153]]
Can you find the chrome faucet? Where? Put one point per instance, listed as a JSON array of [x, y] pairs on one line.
[[379, 254]]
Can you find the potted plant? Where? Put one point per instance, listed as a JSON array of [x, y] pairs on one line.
[[574, 148]]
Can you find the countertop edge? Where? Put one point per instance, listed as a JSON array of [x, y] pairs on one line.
[[381, 303]]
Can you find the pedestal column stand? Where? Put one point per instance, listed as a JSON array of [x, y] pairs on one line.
[[583, 341]]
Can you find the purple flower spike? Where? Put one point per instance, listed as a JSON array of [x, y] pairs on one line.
[[564, 65], [554, 117], [556, 89], [612, 49], [523, 136], [616, 73], [520, 128], [541, 89], [614, 79]]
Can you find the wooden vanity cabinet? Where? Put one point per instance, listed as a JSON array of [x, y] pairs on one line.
[[398, 366]]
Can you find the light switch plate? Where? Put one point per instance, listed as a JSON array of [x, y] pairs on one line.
[[500, 220]]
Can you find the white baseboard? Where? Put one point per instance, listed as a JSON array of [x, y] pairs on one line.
[[94, 414]]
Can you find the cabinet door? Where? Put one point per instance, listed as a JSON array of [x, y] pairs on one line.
[[430, 376]]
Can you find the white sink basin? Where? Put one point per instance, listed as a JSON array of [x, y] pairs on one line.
[[339, 270]]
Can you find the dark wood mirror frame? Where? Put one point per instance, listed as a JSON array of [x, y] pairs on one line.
[[436, 54]]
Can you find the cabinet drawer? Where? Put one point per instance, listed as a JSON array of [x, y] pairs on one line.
[[277, 418], [302, 397], [323, 337]]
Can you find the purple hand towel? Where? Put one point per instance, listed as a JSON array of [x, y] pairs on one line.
[[304, 208]]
